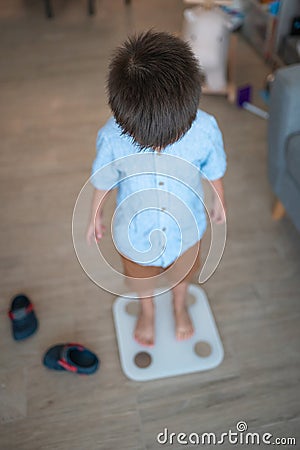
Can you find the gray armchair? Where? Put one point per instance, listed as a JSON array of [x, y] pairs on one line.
[[284, 142]]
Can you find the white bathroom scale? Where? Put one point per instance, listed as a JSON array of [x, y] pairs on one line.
[[168, 357]]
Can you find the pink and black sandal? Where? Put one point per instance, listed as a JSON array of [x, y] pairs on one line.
[[23, 319], [71, 358]]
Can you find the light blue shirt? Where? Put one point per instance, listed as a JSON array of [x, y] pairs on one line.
[[159, 212]]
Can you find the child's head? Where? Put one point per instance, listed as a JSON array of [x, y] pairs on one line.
[[154, 87]]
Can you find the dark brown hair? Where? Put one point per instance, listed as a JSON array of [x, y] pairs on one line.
[[154, 87]]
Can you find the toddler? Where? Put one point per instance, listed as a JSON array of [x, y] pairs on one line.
[[154, 151]]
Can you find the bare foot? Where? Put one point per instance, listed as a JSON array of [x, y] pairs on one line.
[[144, 329], [184, 324]]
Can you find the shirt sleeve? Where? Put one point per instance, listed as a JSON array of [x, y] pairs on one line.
[[105, 175], [214, 165]]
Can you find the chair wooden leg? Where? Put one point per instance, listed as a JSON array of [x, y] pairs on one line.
[[278, 210], [91, 7], [48, 9], [231, 86]]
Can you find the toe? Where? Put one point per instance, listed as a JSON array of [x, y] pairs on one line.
[[149, 342], [143, 341], [182, 335]]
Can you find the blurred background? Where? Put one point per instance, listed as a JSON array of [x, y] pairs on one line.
[[53, 101]]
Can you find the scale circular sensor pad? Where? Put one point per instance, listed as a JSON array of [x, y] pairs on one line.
[[168, 357]]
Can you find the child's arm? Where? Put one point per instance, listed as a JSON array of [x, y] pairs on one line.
[[218, 213], [95, 226]]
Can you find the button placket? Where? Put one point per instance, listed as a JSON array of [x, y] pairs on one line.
[[160, 183]]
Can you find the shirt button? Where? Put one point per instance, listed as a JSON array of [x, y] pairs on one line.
[[164, 229], [163, 208], [161, 183]]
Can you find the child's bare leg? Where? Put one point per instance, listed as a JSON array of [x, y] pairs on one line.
[[184, 325], [144, 329]]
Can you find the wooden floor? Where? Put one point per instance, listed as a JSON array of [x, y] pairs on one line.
[[52, 82]]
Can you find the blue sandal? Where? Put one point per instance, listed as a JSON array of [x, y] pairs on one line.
[[23, 318], [71, 358]]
